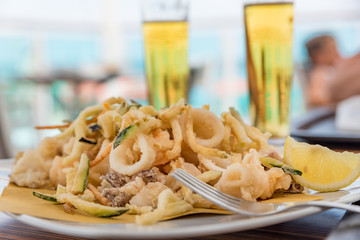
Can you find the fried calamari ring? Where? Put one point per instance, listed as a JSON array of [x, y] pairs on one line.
[[192, 140], [176, 129], [123, 159]]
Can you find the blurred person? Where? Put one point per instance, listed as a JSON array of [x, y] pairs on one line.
[[332, 78]]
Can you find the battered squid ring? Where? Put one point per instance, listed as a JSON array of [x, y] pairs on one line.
[[191, 138], [120, 162], [208, 127]]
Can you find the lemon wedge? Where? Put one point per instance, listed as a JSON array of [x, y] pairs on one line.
[[322, 169]]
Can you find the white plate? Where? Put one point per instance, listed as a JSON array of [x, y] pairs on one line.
[[191, 226]]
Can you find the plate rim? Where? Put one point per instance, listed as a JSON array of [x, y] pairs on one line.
[[149, 232]]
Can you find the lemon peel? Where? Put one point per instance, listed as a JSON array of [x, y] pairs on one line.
[[322, 169]]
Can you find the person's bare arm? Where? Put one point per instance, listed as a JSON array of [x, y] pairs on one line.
[[318, 92], [346, 82]]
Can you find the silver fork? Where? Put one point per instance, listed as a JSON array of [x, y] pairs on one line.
[[249, 208]]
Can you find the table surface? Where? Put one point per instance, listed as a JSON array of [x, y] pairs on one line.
[[318, 226]]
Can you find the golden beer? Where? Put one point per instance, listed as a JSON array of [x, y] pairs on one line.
[[269, 28], [166, 61]]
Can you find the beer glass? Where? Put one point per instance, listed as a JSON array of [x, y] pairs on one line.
[[165, 29], [269, 38]]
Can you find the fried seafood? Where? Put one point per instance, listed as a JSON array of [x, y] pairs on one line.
[[133, 150], [132, 156]]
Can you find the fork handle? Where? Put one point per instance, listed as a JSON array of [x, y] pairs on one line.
[[352, 208]]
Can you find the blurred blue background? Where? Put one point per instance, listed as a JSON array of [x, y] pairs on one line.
[[58, 56]]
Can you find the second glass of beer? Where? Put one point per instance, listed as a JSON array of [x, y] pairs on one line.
[[269, 38], [165, 29]]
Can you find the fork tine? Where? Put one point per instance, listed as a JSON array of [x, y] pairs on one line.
[[216, 199], [208, 187], [196, 183]]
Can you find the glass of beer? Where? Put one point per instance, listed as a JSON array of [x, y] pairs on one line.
[[269, 38], [165, 29]]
